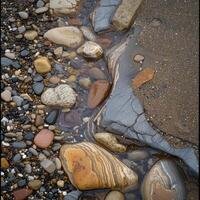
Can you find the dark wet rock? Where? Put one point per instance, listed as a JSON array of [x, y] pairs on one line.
[[21, 183], [132, 122], [164, 181], [73, 195], [38, 88], [52, 117], [16, 65], [18, 145], [101, 18], [70, 119], [37, 78], [29, 136]]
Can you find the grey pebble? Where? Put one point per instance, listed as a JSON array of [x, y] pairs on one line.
[[21, 29], [33, 151], [29, 136], [5, 61], [40, 4], [24, 53], [46, 153], [17, 158], [74, 195], [137, 155], [48, 165], [52, 116], [28, 168], [19, 145], [37, 78], [56, 146], [23, 15], [38, 88], [21, 183], [18, 100], [41, 10]]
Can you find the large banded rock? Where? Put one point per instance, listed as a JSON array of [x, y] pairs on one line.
[[92, 167]]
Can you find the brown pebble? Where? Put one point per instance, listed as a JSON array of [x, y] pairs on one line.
[[39, 120], [4, 163], [21, 194], [54, 79], [44, 138], [98, 92], [104, 42], [75, 22]]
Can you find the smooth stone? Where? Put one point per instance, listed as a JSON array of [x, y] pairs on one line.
[[18, 100], [99, 90], [29, 136], [138, 58], [56, 147], [163, 181], [21, 29], [54, 80], [39, 121], [91, 167], [109, 140], [64, 7], [58, 163], [125, 14], [38, 88], [6, 96], [4, 163], [137, 155], [90, 50], [73, 195], [21, 194], [37, 78], [10, 55], [19, 145], [42, 65], [115, 195], [52, 117], [97, 74], [88, 34], [33, 151], [17, 158], [5, 62], [44, 138], [30, 35], [69, 36], [58, 51], [48, 165], [62, 95], [34, 184], [23, 15], [85, 83], [28, 169], [41, 10], [24, 53], [142, 77], [74, 22], [22, 183], [60, 183], [40, 4]]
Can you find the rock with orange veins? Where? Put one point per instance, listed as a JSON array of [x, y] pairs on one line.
[[142, 77], [91, 167], [109, 141], [98, 92], [21, 194]]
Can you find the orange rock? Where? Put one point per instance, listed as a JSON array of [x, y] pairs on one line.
[[75, 22], [142, 77], [98, 92], [22, 194], [4, 163], [44, 138]]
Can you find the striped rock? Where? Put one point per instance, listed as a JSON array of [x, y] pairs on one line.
[[91, 167]]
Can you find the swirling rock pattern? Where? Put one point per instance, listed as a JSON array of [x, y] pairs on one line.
[[91, 167], [164, 182]]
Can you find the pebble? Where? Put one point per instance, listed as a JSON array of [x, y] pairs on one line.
[[29, 136], [88, 34], [60, 183], [85, 82], [58, 51], [44, 138], [17, 158], [5, 62], [73, 195], [48, 165], [21, 183], [21, 29], [54, 79], [137, 155], [21, 194], [34, 184], [58, 163], [30, 35], [74, 22], [41, 10], [39, 121], [4, 163], [24, 53], [23, 15], [97, 74], [38, 88], [41, 156], [52, 116], [10, 55], [42, 65], [138, 58], [6, 95], [115, 195], [33, 151], [40, 4], [18, 100], [37, 78], [19, 145], [56, 146], [28, 169]]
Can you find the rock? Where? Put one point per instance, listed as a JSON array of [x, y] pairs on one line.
[[142, 77], [105, 42], [34, 184], [42, 65], [52, 117], [69, 55], [58, 51], [85, 82], [17, 158], [41, 10], [58, 163], [10, 55], [19, 145], [90, 50], [101, 17], [44, 138], [24, 53], [115, 195], [60, 183], [37, 78], [5, 62], [54, 79], [39, 121], [21, 194], [74, 22], [21, 29], [4, 163], [23, 15], [125, 14], [64, 7], [69, 36], [91, 167], [6, 96], [48, 165], [108, 140], [88, 34], [137, 155], [97, 74], [22, 183], [62, 95], [98, 92], [18, 100], [33, 151], [38, 88], [73, 195], [138, 58], [39, 4], [30, 35], [28, 169], [29, 136], [163, 181]]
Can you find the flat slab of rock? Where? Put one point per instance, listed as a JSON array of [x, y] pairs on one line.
[[125, 14], [69, 36], [64, 7], [102, 15], [92, 167], [62, 95]]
